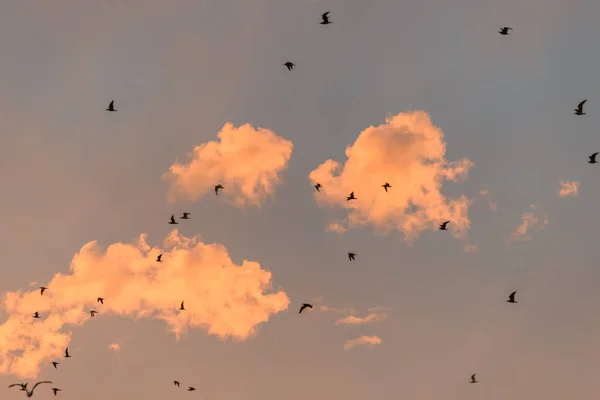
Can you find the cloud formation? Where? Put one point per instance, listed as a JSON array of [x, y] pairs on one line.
[[362, 341], [529, 221], [115, 347], [493, 206], [568, 188], [225, 299], [370, 318], [408, 152], [337, 227], [247, 161]]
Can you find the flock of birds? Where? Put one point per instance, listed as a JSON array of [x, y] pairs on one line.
[[351, 256]]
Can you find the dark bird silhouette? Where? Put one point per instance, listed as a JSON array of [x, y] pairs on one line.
[[191, 388], [36, 315], [443, 226], [159, 258], [579, 109], [219, 186], [511, 297], [386, 186], [304, 305], [176, 383], [504, 30], [351, 197], [325, 18], [67, 355], [55, 364], [111, 106], [22, 385], [55, 390], [318, 186], [593, 159], [182, 308], [185, 215], [42, 290], [172, 221], [290, 65], [101, 300], [93, 313], [30, 392], [351, 256], [473, 380]]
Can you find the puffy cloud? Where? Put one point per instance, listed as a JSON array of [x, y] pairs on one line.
[[370, 318], [115, 347], [568, 188], [408, 152], [529, 221], [245, 160], [471, 248], [225, 299], [362, 341], [345, 311]]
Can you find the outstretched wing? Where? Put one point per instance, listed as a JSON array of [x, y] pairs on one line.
[[14, 384], [34, 386]]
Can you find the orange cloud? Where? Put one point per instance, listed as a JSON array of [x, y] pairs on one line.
[[245, 160], [408, 152], [493, 206], [529, 221], [337, 227], [115, 347], [370, 318], [568, 188], [225, 299], [362, 341]]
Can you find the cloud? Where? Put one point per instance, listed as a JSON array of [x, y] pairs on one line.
[[568, 188], [493, 206], [225, 299], [362, 341], [408, 152], [115, 347], [245, 160], [370, 318], [529, 221], [344, 311], [471, 248], [337, 227]]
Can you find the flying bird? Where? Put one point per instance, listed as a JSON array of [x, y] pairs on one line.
[[36, 315], [473, 380], [55, 390], [351, 256], [351, 197], [176, 383], [182, 308], [290, 65], [101, 300], [67, 355], [93, 313], [593, 159], [579, 109], [30, 392], [304, 305], [219, 186], [111, 106], [172, 221], [325, 18], [42, 290], [159, 258], [318, 186], [511, 298], [443, 226], [386, 186], [504, 30], [22, 385], [185, 216], [191, 388], [55, 364]]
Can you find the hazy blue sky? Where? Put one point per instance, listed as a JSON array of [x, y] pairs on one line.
[[178, 71]]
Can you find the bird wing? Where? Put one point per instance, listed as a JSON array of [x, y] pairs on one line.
[[111, 104], [182, 304], [473, 377], [325, 14], [582, 103], [594, 155], [34, 386], [14, 384]]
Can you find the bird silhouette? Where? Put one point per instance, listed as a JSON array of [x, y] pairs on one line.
[[176, 383], [185, 215], [55, 364], [511, 297], [217, 187], [579, 109], [159, 258], [593, 159], [30, 392], [191, 388], [22, 385], [42, 290], [55, 390], [351, 256], [36, 315], [351, 197], [325, 18], [101, 300], [93, 313], [182, 308], [386, 186], [290, 65], [473, 380], [111, 106], [443, 226], [172, 221], [318, 186], [504, 30], [304, 305], [67, 355]]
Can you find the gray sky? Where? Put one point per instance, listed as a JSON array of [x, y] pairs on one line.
[[178, 71]]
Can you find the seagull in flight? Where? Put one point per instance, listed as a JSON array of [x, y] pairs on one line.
[[511, 298], [504, 30], [176, 383], [191, 388], [101, 300], [55, 390], [351, 256], [159, 258], [182, 308], [325, 18], [55, 364], [36, 315], [473, 380], [111, 106], [579, 109], [30, 392], [443, 226], [351, 197], [219, 186], [67, 355], [386, 186], [93, 313], [318, 186], [185, 216], [42, 290], [172, 221], [304, 305], [290, 65], [593, 159]]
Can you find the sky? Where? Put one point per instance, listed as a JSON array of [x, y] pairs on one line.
[[465, 124]]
